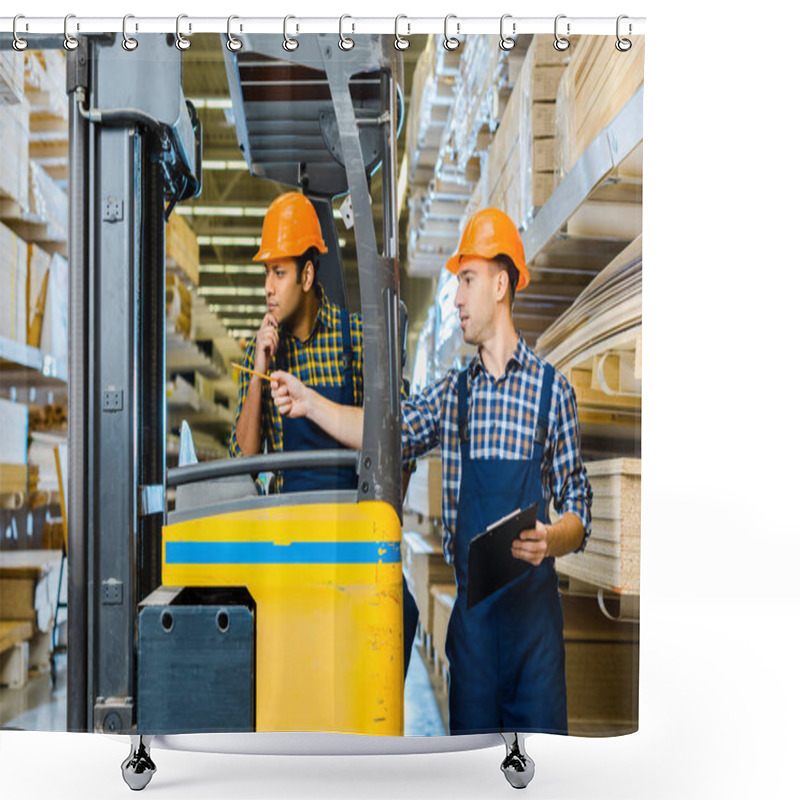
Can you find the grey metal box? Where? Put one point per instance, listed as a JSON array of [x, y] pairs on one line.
[[196, 661]]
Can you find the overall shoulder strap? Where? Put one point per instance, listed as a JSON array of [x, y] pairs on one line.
[[543, 418], [463, 412], [346, 356]]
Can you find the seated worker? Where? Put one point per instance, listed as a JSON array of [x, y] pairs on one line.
[[305, 335], [508, 428]]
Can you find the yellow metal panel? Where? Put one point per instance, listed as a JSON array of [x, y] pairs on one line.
[[327, 582]]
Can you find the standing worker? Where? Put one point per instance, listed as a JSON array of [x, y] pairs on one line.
[[508, 429], [305, 335]]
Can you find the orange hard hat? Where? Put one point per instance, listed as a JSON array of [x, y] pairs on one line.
[[291, 226], [490, 233]]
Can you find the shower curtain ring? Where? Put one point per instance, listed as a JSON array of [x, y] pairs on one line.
[[233, 44], [289, 43], [400, 42], [623, 45], [19, 44]]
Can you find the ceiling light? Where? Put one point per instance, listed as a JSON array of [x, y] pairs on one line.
[[231, 291], [221, 211], [229, 241], [232, 269], [212, 165], [211, 102]]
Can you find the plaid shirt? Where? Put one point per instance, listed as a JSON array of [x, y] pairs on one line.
[[502, 416], [315, 362]]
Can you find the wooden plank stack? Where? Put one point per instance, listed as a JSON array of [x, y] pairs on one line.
[[33, 205], [425, 567], [522, 154], [424, 495], [443, 597], [602, 670], [14, 136], [596, 85], [597, 342], [182, 250], [12, 77], [612, 555]]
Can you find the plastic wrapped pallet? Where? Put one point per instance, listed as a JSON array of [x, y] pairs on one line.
[[597, 84], [13, 278], [14, 133]]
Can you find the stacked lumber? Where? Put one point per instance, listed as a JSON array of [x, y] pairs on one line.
[[486, 76], [521, 159], [612, 554], [182, 250], [14, 137], [443, 597], [29, 581], [14, 652], [178, 305], [46, 90], [424, 566], [457, 102], [13, 482], [602, 670], [41, 454], [432, 96], [598, 82], [49, 417], [33, 205], [13, 279], [12, 78], [597, 342]]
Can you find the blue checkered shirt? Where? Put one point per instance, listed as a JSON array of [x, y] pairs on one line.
[[502, 417]]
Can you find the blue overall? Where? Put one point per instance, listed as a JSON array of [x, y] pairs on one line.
[[302, 434], [506, 653]]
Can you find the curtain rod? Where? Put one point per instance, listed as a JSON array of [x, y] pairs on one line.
[[404, 25]]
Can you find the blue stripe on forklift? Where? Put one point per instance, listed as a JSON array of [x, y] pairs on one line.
[[294, 553]]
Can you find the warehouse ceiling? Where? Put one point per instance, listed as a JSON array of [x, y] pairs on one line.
[[228, 215]]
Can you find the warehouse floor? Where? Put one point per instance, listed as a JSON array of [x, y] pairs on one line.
[[35, 707]]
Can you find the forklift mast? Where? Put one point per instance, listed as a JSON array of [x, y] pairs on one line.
[[320, 119], [135, 147]]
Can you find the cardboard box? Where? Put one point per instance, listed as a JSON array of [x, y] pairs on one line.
[[602, 669]]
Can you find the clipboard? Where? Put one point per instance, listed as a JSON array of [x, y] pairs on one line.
[[490, 564]]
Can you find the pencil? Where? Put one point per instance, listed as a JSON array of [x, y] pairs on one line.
[[251, 371]]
